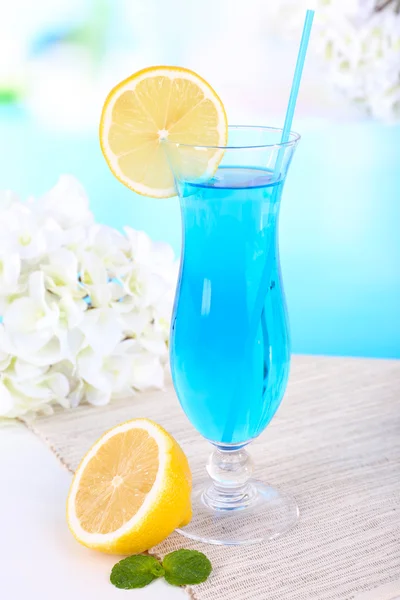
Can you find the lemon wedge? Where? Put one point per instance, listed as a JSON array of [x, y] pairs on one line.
[[131, 490], [153, 105]]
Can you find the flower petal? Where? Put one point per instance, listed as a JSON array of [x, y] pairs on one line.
[[29, 345], [76, 342], [93, 270], [100, 294], [62, 273], [10, 268], [26, 370], [47, 354], [120, 369], [147, 372], [58, 383], [76, 395], [96, 396], [90, 368], [22, 315], [6, 400], [37, 288], [33, 389], [140, 245], [67, 202], [153, 342], [136, 321], [102, 328], [71, 311], [5, 361]]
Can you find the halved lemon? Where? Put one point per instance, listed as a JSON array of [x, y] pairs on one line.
[[131, 490], [156, 104]]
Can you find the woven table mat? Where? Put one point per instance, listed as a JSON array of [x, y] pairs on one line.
[[334, 444]]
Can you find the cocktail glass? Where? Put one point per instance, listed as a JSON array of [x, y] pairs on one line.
[[229, 347]]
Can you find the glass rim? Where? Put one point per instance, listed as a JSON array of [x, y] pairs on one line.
[[294, 138]]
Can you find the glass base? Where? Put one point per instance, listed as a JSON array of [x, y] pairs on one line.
[[264, 513]]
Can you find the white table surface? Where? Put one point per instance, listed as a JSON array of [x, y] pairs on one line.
[[39, 559]]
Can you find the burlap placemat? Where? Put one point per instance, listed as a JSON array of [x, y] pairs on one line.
[[334, 444]]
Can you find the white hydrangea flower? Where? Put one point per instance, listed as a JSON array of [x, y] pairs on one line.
[[19, 397], [147, 370], [92, 395], [10, 270], [67, 203], [21, 234], [158, 257], [70, 371], [361, 46], [153, 341], [150, 279], [62, 274], [110, 246], [147, 373], [97, 281], [30, 320], [135, 321], [102, 329], [5, 360], [84, 309], [145, 288], [22, 370], [104, 376], [6, 401]]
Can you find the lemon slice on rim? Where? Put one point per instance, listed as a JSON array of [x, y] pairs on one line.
[[150, 106], [131, 490]]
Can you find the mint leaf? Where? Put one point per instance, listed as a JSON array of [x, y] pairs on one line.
[[135, 572], [186, 567]]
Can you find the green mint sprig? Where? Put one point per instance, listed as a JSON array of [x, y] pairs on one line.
[[136, 572], [182, 567], [186, 567]]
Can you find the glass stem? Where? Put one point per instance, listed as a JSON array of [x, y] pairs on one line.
[[230, 470]]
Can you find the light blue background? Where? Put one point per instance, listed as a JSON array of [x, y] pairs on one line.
[[339, 229]]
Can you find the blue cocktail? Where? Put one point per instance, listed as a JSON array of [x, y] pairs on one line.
[[230, 349], [230, 373]]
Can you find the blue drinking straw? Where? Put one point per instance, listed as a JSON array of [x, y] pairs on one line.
[[262, 292], [294, 92]]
